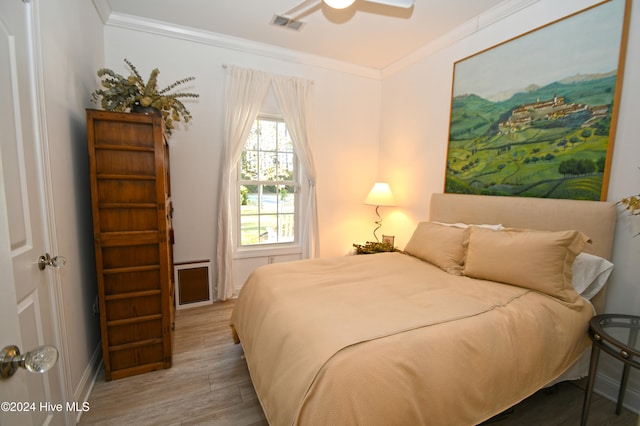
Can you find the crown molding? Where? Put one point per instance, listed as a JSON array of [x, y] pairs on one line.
[[103, 8], [134, 23], [472, 26]]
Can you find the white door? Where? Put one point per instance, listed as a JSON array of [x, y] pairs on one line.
[[27, 310]]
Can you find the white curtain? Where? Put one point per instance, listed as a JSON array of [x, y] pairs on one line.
[[294, 98], [245, 93]]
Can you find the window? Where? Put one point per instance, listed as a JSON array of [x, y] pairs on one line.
[[267, 185]]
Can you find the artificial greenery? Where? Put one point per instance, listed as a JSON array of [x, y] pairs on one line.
[[632, 204], [373, 247], [125, 94]]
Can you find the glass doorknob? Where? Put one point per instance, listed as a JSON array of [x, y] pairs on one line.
[[39, 360], [55, 262]]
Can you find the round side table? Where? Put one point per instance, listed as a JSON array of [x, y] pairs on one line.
[[617, 335]]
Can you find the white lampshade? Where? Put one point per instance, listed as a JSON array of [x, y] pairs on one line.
[[380, 195], [339, 4]]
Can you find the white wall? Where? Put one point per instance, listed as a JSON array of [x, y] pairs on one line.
[[415, 122], [623, 295], [346, 136], [72, 49]]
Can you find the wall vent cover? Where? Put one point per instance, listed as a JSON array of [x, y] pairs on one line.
[[193, 284], [283, 21]]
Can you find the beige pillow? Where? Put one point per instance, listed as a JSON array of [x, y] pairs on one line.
[[538, 260], [438, 244]]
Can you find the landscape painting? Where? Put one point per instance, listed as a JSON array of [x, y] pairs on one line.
[[535, 116]]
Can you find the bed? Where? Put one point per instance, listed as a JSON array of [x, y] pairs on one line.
[[449, 332]]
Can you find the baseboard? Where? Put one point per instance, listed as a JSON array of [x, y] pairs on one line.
[[609, 387], [83, 391]]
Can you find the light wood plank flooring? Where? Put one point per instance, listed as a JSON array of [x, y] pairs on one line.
[[209, 384]]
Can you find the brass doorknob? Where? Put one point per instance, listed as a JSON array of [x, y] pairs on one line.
[[39, 360]]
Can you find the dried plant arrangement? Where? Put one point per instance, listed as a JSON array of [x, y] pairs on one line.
[[133, 94]]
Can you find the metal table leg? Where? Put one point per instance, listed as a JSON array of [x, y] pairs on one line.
[[623, 386], [593, 367]]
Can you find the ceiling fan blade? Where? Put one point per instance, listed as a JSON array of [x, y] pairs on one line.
[[301, 6], [397, 3]]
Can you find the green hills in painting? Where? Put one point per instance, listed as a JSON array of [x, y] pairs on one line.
[[548, 142]]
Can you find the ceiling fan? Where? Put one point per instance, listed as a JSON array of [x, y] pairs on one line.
[[291, 18], [341, 4]]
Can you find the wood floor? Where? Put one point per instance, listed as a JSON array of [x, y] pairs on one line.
[[209, 384]]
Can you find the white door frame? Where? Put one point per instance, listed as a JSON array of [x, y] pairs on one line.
[[51, 239]]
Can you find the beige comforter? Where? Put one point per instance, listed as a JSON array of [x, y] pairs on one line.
[[388, 339]]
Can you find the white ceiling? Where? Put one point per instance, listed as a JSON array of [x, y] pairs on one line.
[[364, 34]]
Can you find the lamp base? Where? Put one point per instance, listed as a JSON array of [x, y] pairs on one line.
[[377, 222]]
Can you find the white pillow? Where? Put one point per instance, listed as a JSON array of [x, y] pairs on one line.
[[466, 225], [590, 273]]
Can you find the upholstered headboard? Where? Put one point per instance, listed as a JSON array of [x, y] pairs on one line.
[[594, 218]]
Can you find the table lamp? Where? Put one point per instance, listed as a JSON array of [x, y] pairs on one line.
[[380, 195]]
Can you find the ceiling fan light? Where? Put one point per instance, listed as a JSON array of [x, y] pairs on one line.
[[339, 4]]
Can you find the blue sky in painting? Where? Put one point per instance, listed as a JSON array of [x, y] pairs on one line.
[[586, 43]]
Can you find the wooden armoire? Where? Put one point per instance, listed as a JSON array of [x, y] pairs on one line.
[[131, 204]]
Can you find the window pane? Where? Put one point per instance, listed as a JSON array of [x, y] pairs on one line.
[[248, 199], [285, 166], [285, 143], [249, 230], [269, 199], [249, 165], [268, 135], [267, 165], [252, 140], [286, 230], [268, 228], [286, 199]]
